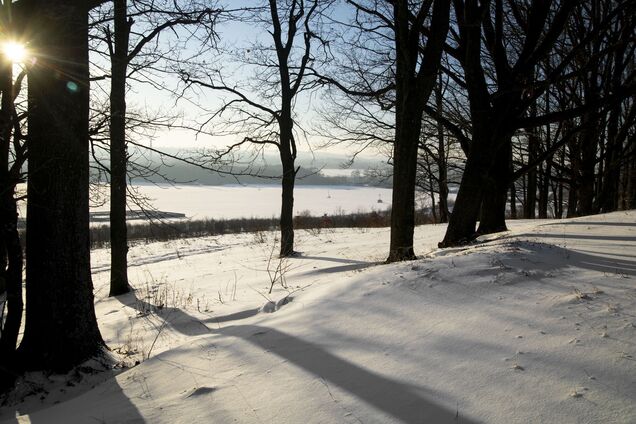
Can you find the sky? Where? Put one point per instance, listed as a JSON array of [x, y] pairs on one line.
[[238, 38]]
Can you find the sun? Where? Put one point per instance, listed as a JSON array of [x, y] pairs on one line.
[[14, 51]]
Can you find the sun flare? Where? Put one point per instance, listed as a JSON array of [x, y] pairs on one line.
[[14, 51]]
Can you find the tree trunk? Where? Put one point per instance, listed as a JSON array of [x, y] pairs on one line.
[[415, 76], [3, 265], [493, 208], [513, 201], [5, 142], [118, 156], [609, 193], [407, 134], [287, 205], [431, 185], [586, 186], [574, 151], [13, 276], [61, 329], [544, 189], [573, 200], [630, 191], [463, 219], [531, 188], [10, 247], [558, 201], [441, 156]]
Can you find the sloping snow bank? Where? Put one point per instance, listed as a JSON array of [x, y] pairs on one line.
[[533, 325]]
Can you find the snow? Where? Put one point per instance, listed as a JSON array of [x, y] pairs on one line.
[[534, 325], [260, 201]]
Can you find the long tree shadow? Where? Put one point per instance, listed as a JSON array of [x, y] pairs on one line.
[[404, 402], [330, 259], [352, 265], [560, 257], [106, 399]]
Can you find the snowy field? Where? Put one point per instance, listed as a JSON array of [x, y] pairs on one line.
[[260, 201], [535, 325]]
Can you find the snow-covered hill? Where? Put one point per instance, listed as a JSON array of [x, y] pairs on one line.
[[535, 325]]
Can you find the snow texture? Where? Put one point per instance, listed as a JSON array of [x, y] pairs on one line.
[[534, 325]]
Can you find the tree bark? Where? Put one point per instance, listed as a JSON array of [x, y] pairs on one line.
[[493, 207], [463, 219], [13, 276], [10, 247], [61, 328], [415, 77], [441, 156], [407, 136], [630, 191], [513, 201], [586, 183], [5, 135], [529, 207], [118, 156], [287, 204], [544, 190]]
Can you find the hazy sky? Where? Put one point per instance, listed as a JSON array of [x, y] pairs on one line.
[[238, 38]]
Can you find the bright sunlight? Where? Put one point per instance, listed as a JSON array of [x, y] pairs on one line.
[[14, 51]]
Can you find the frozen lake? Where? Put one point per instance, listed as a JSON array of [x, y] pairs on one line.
[[262, 201]]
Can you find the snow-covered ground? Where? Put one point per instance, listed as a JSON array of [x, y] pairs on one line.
[[535, 325]]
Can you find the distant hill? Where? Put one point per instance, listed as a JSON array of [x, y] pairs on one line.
[[365, 171]]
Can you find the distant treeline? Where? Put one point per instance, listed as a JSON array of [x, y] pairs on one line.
[[183, 173], [155, 168], [163, 231]]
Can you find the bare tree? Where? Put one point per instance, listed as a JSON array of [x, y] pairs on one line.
[[264, 112], [406, 66], [501, 46], [127, 51], [61, 328]]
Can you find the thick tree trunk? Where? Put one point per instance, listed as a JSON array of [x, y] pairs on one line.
[[3, 264], [13, 275], [586, 183], [404, 173], [415, 77], [630, 191], [589, 145], [463, 219], [493, 207], [287, 205], [608, 201], [118, 156], [5, 140], [61, 329], [10, 247]]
